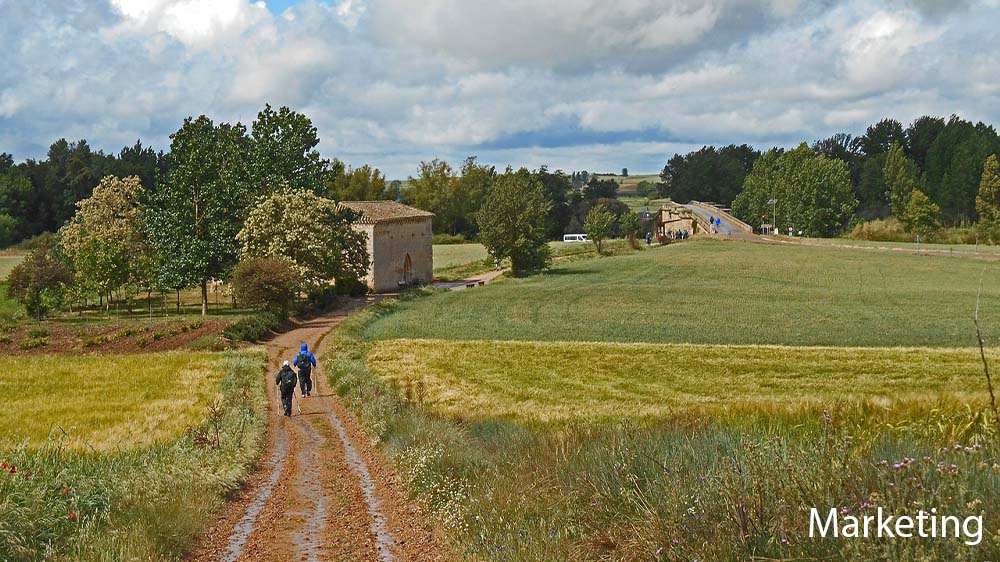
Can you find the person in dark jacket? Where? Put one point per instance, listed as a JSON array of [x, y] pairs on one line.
[[305, 361], [285, 381]]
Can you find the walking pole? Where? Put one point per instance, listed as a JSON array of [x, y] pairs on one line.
[[298, 404]]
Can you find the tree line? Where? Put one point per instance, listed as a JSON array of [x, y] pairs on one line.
[[928, 174], [221, 200]]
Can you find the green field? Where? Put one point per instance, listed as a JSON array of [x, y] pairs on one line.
[[106, 401], [7, 263], [948, 248], [711, 292], [627, 185], [450, 255]]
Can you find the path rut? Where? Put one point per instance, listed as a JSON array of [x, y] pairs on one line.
[[324, 491]]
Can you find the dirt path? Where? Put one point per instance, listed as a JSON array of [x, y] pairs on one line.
[[324, 492]]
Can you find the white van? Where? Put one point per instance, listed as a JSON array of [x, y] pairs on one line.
[[575, 238]]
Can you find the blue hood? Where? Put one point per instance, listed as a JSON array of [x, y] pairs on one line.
[[305, 347]]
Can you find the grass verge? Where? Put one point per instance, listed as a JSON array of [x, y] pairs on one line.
[[681, 488], [125, 504]]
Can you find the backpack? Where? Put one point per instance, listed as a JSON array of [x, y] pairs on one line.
[[303, 362], [287, 379]]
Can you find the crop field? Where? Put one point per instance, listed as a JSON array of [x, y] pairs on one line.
[[560, 381], [627, 185], [712, 292], [106, 401], [7, 263]]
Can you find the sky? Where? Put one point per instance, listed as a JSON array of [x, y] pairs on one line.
[[572, 84]]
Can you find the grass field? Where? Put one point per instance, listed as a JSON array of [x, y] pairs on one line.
[[157, 464], [559, 381], [627, 185], [711, 292], [106, 401], [7, 263], [951, 248], [450, 255]]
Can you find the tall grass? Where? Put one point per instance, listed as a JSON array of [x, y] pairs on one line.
[[698, 486], [891, 230], [128, 504]]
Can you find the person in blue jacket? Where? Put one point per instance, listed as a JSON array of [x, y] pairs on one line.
[[305, 361]]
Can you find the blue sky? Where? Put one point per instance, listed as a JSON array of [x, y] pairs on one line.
[[572, 84]]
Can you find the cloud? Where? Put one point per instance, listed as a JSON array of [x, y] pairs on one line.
[[570, 83]]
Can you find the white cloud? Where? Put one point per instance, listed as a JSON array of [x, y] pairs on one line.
[[571, 83]]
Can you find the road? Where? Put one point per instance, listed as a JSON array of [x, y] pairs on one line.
[[728, 228], [323, 491]]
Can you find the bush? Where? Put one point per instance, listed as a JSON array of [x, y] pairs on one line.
[[266, 282], [254, 328], [38, 333], [38, 282], [444, 239], [881, 230]]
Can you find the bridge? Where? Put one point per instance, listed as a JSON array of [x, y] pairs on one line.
[[729, 225]]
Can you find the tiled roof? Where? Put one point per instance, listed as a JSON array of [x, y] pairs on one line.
[[380, 211]]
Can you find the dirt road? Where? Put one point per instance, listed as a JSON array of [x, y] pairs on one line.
[[323, 492]]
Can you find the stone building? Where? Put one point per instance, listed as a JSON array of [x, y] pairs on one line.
[[399, 244]]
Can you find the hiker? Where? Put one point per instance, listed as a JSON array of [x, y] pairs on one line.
[[285, 381], [305, 361]]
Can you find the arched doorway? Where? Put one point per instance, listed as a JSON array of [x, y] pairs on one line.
[[407, 270]]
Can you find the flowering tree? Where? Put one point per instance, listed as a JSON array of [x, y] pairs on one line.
[[104, 239], [310, 232]]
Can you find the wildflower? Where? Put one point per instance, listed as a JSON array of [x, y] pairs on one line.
[[784, 540], [3, 466], [65, 490], [72, 517], [675, 542], [13, 470], [659, 551]]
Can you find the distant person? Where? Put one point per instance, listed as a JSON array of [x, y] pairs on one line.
[[649, 238], [304, 362], [285, 381]]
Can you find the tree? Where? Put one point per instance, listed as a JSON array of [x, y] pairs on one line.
[[645, 188], [629, 223], [922, 216], [284, 152], [598, 226], [920, 136], [432, 190], [954, 166], [988, 198], [624, 172], [192, 218], [708, 174], [38, 282], [8, 227], [104, 240], [812, 193], [512, 222], [880, 136], [598, 188], [558, 188], [310, 232], [356, 184], [900, 179], [266, 282]]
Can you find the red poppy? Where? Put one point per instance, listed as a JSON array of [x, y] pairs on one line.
[[65, 490], [13, 470], [3, 466], [72, 517]]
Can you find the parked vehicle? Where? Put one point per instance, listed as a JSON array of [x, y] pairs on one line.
[[575, 238]]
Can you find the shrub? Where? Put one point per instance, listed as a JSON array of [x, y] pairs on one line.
[[33, 343], [881, 230], [38, 282], [38, 333], [254, 328], [266, 282]]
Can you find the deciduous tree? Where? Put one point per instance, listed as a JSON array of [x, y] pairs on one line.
[[598, 226], [512, 222], [922, 216], [310, 232]]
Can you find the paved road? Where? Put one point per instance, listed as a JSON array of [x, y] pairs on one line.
[[727, 228]]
